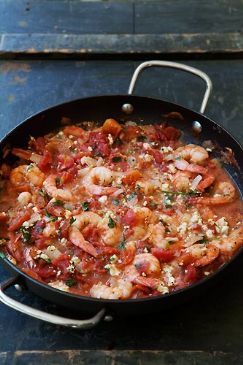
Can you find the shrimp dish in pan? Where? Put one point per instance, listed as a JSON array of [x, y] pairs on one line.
[[117, 211]]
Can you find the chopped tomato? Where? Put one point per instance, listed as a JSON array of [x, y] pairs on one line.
[[65, 162], [162, 254], [100, 144], [132, 177], [131, 132], [172, 133], [129, 219], [55, 209], [91, 233], [17, 221], [45, 161], [111, 126], [158, 156], [190, 274]]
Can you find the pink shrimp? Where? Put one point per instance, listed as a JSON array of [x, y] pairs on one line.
[[98, 177]]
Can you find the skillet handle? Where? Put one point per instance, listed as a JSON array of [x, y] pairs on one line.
[[179, 66], [47, 317]]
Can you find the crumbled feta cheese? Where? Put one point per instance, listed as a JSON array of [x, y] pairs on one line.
[[182, 228], [63, 241], [148, 157], [103, 199], [68, 214], [26, 224], [59, 285], [90, 148], [113, 270], [166, 149], [222, 226], [162, 288], [209, 233], [110, 139], [167, 270], [172, 168], [146, 146]]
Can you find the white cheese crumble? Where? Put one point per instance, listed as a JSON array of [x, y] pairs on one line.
[[103, 199], [222, 226], [59, 285]]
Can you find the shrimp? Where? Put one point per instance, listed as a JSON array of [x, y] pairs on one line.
[[120, 289], [204, 254], [181, 181], [224, 193], [157, 233], [192, 153], [110, 236], [98, 177], [78, 240], [144, 216], [147, 263], [232, 242], [27, 173], [52, 190], [142, 268]]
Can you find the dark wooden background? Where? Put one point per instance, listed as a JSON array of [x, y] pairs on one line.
[[52, 51]]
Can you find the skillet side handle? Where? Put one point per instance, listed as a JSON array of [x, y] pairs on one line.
[[179, 66], [47, 317]]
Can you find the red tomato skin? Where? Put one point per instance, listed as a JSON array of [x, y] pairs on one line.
[[162, 254]]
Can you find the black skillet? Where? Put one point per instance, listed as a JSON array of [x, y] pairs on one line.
[[195, 127]]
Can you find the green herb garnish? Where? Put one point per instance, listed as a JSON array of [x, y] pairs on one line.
[[116, 159], [30, 167], [115, 201], [58, 180], [111, 223], [191, 192], [26, 234], [71, 282], [203, 240], [72, 220], [141, 138], [122, 245], [131, 196], [58, 203], [85, 206]]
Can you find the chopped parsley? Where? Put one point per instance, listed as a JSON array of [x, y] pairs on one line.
[[58, 180], [30, 167], [203, 240], [25, 234], [111, 223], [2, 255], [131, 196], [167, 201], [122, 245], [58, 202], [191, 192], [52, 218], [85, 206], [116, 159], [70, 282], [72, 220], [115, 201], [141, 138]]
